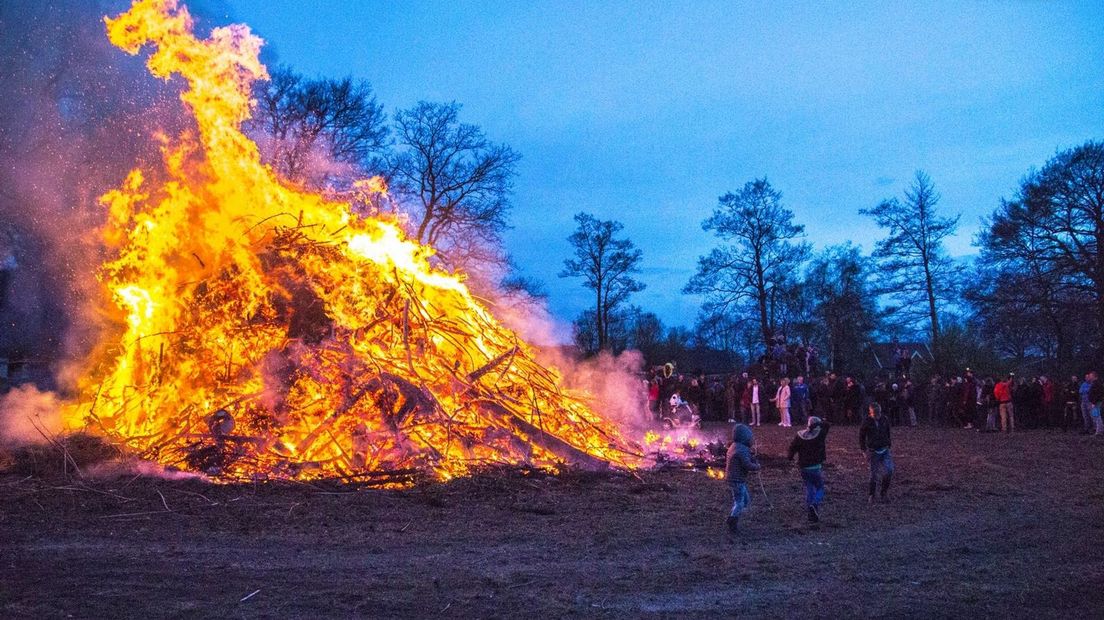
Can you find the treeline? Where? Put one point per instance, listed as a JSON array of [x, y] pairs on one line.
[[1033, 299]]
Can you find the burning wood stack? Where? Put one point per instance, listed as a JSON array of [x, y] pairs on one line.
[[267, 331]]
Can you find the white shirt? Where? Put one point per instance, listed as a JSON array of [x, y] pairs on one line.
[[755, 394]]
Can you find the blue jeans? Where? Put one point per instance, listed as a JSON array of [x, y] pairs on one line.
[[881, 467], [741, 499], [814, 486]]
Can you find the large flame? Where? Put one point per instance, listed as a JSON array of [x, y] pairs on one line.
[[271, 331]]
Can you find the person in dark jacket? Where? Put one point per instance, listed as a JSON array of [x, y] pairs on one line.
[[738, 462], [809, 448], [874, 442]]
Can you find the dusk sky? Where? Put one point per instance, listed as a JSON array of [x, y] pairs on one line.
[[646, 112]]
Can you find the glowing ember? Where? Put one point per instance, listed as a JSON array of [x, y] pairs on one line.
[[268, 331]]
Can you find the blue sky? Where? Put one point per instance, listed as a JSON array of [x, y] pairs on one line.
[[646, 112]]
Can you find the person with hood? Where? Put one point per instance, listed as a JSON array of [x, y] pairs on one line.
[[809, 447], [874, 442], [738, 462]]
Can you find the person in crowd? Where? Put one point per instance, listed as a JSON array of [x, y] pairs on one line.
[[992, 405], [799, 401], [874, 441], [905, 402], [835, 411], [853, 398], [1049, 410], [738, 462], [1086, 403], [781, 400], [1071, 415], [1004, 391], [809, 447], [750, 401], [1096, 397], [1019, 399], [715, 394], [967, 399], [820, 396], [880, 395], [935, 400], [731, 399]]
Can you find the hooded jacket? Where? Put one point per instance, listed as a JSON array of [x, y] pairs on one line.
[[739, 461], [808, 445]]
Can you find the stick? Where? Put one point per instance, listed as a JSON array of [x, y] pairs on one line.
[[163, 502], [759, 477], [250, 595]]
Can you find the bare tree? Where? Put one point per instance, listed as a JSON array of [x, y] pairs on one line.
[[306, 125], [763, 253], [458, 182], [914, 269], [606, 265], [1043, 249]]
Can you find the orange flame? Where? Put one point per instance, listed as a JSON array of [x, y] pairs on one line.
[[269, 331]]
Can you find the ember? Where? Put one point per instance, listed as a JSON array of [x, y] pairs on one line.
[[271, 332]]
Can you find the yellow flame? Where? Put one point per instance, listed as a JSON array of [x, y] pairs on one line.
[[267, 330]]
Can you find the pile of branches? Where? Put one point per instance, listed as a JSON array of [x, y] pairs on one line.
[[298, 362]]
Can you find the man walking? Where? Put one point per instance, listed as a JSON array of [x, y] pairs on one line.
[[874, 442]]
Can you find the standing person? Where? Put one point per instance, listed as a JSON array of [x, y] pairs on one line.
[[967, 403], [1086, 403], [874, 442], [754, 400], [731, 398], [1003, 393], [799, 401], [935, 399], [738, 463], [1049, 409], [1096, 399], [782, 401], [908, 395], [989, 397], [852, 399], [809, 447], [1071, 416]]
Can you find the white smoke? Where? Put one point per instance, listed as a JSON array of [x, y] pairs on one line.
[[29, 416]]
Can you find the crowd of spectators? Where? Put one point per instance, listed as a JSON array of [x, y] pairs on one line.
[[786, 387]]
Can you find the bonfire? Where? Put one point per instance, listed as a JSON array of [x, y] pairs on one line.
[[267, 331]]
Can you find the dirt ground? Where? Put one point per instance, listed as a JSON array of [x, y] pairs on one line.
[[987, 524]]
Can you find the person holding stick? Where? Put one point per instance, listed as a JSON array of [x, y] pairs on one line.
[[738, 462], [809, 447], [874, 442]]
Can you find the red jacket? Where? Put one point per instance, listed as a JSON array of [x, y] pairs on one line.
[[1003, 391]]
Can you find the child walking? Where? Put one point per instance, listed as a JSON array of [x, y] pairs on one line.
[[808, 445], [738, 463]]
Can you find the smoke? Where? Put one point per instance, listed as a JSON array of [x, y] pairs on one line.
[[76, 115], [615, 383], [29, 416]]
